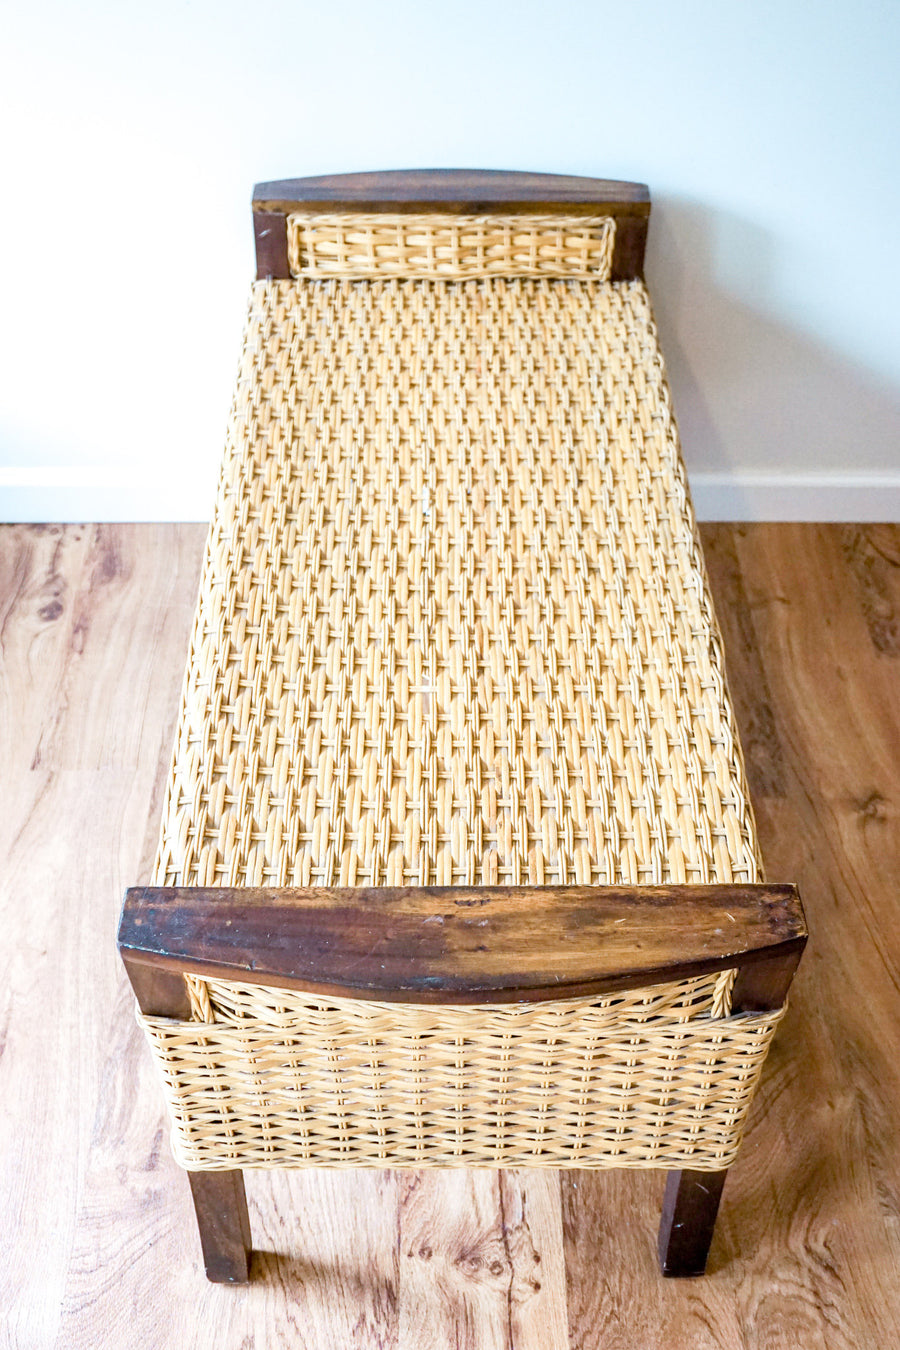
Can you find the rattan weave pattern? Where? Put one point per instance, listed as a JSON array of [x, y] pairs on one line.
[[453, 247], [453, 624], [454, 628], [560, 1084]]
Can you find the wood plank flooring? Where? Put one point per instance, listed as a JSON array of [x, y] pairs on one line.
[[98, 1245]]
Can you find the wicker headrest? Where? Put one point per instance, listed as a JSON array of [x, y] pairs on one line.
[[450, 247]]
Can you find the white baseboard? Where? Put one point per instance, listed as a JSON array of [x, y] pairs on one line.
[[70, 493], [95, 493], [768, 495]]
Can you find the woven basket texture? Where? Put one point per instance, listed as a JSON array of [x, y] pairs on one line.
[[454, 627], [351, 1084], [450, 247]]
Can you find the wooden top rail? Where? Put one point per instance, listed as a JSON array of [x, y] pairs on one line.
[[457, 191], [466, 191], [466, 944]]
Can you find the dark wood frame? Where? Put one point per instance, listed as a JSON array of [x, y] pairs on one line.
[[461, 944], [452, 945], [457, 191]]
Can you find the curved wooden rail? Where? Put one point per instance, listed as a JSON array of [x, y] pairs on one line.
[[462, 944]]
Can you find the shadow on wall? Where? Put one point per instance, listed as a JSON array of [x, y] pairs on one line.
[[750, 393]]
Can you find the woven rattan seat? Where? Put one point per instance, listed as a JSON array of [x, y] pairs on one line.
[[454, 631]]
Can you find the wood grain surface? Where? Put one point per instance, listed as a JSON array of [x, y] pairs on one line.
[[99, 1243], [461, 944], [463, 190]]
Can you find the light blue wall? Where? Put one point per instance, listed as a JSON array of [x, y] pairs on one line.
[[132, 135]]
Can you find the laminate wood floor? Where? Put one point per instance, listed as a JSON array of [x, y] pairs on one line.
[[98, 1244]]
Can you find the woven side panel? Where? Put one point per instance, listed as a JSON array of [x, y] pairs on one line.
[[348, 1083], [450, 247]]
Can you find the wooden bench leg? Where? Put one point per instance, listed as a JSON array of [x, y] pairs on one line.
[[220, 1201], [692, 1198], [689, 1217], [221, 1206]]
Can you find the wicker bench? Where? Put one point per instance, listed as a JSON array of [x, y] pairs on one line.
[[457, 863]]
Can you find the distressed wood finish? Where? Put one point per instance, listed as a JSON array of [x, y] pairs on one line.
[[459, 191], [460, 944], [94, 625]]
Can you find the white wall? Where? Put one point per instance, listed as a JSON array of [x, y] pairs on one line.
[[132, 135]]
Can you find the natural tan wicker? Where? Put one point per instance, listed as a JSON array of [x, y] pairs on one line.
[[353, 1083], [454, 628], [450, 247]]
